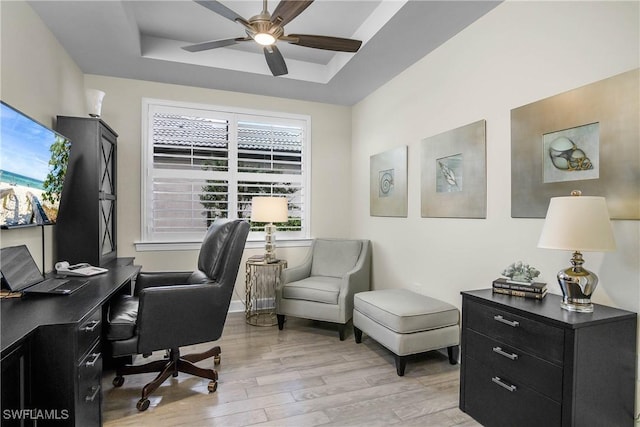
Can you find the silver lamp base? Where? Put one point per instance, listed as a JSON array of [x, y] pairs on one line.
[[270, 242], [577, 285]]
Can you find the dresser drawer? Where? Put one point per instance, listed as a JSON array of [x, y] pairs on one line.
[[88, 331], [89, 395], [503, 401], [516, 331], [511, 362]]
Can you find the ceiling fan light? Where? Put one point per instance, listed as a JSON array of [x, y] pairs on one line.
[[265, 39]]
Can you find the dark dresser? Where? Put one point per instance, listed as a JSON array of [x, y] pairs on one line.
[[530, 363]]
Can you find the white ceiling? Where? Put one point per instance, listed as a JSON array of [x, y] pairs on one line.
[[143, 39]]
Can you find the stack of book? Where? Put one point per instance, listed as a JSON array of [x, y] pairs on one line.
[[528, 290]]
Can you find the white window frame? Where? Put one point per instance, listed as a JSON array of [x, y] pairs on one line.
[[149, 241]]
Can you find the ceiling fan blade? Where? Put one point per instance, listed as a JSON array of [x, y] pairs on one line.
[[324, 42], [222, 10], [214, 44], [287, 10], [275, 61]]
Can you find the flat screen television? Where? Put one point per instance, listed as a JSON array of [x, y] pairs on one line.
[[33, 165]]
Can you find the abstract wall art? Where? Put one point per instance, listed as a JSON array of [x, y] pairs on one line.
[[453, 181], [586, 139], [388, 183]]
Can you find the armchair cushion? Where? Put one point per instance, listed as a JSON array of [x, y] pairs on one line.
[[314, 288], [122, 318], [334, 258]]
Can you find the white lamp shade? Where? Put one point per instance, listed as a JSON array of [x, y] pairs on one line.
[[94, 99], [577, 223], [269, 209]]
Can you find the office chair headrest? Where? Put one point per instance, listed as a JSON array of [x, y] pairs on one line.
[[215, 245]]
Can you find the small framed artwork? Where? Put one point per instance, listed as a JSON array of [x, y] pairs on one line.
[[587, 139], [453, 180], [388, 183]]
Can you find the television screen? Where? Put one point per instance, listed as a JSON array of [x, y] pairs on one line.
[[33, 164]]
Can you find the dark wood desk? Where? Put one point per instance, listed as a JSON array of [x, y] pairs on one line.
[[52, 351]]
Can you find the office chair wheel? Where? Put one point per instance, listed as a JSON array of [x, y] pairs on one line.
[[143, 404], [213, 386], [216, 360], [118, 381]]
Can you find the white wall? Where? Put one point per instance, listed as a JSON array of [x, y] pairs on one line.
[[39, 79], [518, 53]]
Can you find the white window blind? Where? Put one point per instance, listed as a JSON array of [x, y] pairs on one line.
[[206, 162]]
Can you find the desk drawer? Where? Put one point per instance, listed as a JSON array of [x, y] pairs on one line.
[[535, 337], [89, 395], [88, 331], [536, 373], [502, 401]]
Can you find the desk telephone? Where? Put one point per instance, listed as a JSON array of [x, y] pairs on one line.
[[82, 269]]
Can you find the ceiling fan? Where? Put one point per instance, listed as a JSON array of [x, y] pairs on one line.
[[266, 29]]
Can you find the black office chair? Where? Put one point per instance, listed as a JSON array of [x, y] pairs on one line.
[[174, 309]]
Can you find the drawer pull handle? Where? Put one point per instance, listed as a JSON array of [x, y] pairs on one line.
[[91, 326], [509, 387], [501, 352], [501, 319], [96, 390], [92, 362]]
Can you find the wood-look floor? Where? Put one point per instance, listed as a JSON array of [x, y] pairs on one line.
[[301, 376]]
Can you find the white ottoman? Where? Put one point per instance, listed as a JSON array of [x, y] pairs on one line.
[[407, 323]]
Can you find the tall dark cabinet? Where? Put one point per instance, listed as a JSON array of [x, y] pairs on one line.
[[86, 226]]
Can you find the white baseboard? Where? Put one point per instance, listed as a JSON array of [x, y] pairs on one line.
[[237, 306]]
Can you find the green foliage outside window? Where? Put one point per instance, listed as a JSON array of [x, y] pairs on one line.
[[214, 198]]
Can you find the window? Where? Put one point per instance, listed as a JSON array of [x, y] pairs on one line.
[[202, 162]]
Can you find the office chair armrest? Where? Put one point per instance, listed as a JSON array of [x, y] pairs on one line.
[[160, 278], [179, 315]]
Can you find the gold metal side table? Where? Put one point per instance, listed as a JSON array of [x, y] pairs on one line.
[[260, 291]]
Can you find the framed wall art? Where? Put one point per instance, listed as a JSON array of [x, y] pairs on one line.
[[453, 173], [388, 183], [586, 139]]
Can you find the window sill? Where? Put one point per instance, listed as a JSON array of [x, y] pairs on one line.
[[194, 246]]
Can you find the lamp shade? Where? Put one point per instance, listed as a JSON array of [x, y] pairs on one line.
[[577, 223], [269, 209], [94, 99]]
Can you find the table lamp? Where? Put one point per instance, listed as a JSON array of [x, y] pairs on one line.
[[269, 210], [577, 223]]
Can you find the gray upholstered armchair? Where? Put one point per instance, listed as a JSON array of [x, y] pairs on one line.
[[322, 288], [173, 309]]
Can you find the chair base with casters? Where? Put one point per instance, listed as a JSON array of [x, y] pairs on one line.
[[171, 367]]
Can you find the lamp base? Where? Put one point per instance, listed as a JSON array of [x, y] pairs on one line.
[[577, 285], [269, 243], [578, 307]]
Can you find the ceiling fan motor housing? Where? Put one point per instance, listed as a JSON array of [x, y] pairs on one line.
[[262, 24]]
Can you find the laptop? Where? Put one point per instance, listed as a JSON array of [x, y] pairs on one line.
[[20, 274]]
